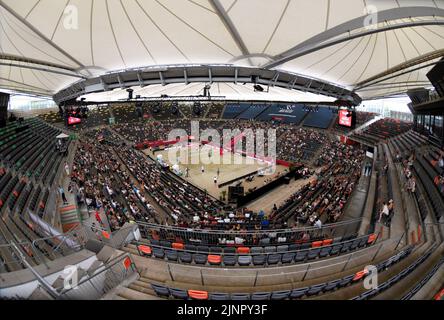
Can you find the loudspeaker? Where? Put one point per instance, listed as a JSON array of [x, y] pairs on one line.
[[130, 93]]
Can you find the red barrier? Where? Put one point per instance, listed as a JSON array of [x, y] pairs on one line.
[[153, 144], [283, 163]]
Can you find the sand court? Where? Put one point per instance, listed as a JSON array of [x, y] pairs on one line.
[[216, 166]]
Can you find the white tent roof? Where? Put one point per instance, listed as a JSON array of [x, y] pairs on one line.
[[44, 49]]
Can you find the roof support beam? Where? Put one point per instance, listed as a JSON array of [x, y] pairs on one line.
[[104, 84], [10, 57], [185, 76], [119, 78], [275, 79], [26, 85], [292, 83], [398, 74], [139, 77], [309, 84], [42, 69], [322, 41], [34, 93], [41, 35], [162, 80], [229, 25], [405, 65]]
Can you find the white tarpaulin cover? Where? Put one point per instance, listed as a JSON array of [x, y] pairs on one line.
[[46, 44], [62, 136]]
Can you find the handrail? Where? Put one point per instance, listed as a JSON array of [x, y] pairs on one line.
[[117, 272], [51, 291], [277, 231]]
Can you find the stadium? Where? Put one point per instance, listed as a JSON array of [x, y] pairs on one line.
[[222, 150]]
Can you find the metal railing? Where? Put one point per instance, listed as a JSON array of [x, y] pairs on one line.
[[45, 249], [249, 237], [265, 253], [116, 239], [40, 251], [103, 280]]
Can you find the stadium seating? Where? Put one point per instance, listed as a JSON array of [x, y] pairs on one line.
[[296, 293], [319, 118]]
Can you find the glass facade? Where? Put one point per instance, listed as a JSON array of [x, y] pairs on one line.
[[28, 103], [395, 108], [431, 125]]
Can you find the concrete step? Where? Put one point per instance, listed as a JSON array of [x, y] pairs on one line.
[[130, 250], [131, 294], [357, 289], [401, 288], [142, 287], [40, 294], [434, 285]]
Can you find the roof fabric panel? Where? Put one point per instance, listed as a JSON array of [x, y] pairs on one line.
[[107, 35]]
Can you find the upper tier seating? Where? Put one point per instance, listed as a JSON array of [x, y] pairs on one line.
[[293, 114], [382, 130], [51, 117], [252, 112], [299, 145], [321, 118], [232, 111], [164, 111], [215, 110], [125, 113], [30, 164]]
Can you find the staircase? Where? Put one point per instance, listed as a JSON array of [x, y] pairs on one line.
[[69, 217], [138, 290]]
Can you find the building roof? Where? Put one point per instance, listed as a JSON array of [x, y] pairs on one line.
[[378, 48]]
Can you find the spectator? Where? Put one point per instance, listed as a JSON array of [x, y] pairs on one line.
[[384, 212], [368, 169], [441, 163], [391, 213], [411, 184], [385, 169], [62, 194]]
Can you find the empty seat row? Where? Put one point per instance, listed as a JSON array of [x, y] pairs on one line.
[[296, 293], [244, 256], [35, 197], [381, 287], [263, 247], [424, 280]]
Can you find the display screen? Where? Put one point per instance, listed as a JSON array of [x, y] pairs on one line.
[[73, 120], [346, 118]]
